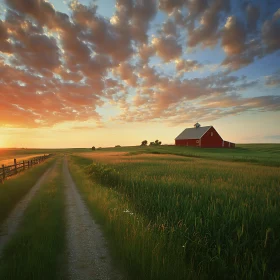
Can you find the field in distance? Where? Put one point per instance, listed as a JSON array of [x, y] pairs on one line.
[[7, 155], [264, 154]]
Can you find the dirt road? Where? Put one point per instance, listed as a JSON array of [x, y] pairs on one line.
[[88, 255]]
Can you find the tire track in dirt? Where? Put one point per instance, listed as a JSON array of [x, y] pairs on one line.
[[10, 225], [88, 255]]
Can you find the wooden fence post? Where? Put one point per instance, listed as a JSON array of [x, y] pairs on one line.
[[23, 165], [15, 163], [4, 174], [28, 164]]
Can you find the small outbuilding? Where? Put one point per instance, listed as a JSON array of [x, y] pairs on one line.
[[204, 137]]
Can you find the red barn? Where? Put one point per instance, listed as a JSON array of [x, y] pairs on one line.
[[204, 137]]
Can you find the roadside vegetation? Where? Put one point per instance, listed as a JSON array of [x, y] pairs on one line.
[[36, 251], [17, 186], [171, 217]]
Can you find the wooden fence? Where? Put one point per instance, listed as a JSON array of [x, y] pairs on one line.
[[10, 170]]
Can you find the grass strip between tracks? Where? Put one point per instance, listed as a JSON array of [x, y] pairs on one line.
[[36, 250]]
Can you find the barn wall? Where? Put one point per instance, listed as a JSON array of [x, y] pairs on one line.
[[229, 144], [187, 142], [208, 141]]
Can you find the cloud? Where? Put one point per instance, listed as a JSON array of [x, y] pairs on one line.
[[126, 73], [145, 52], [169, 28], [149, 76], [273, 80], [169, 5], [276, 15], [167, 48], [251, 50], [270, 33], [30, 100], [183, 66], [207, 32], [41, 10], [187, 112], [5, 46], [208, 98], [233, 37], [57, 67]]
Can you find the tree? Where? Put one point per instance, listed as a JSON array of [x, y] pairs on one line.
[[157, 143], [152, 143], [93, 148], [144, 143]]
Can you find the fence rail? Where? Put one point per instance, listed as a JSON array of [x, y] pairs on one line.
[[10, 170]]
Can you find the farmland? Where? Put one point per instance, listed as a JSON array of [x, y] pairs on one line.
[[190, 216], [166, 212]]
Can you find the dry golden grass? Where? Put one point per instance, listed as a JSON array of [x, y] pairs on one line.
[[114, 157], [10, 161], [124, 157]]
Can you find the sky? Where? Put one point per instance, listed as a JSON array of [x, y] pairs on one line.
[[116, 72]]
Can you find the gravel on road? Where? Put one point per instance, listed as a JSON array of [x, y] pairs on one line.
[[88, 254]]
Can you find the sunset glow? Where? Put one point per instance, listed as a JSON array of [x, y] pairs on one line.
[[105, 73]]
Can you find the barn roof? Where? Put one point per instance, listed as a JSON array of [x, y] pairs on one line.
[[193, 133]]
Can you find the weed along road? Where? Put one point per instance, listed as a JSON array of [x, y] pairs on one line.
[[10, 225], [88, 256]]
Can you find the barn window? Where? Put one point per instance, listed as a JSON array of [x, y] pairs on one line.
[[211, 133]]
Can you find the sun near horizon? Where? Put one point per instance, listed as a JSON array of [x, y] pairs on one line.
[[105, 73]]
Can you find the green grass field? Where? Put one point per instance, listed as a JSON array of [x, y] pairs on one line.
[[168, 212], [209, 214], [36, 251]]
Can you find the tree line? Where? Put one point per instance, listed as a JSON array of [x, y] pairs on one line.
[[155, 143]]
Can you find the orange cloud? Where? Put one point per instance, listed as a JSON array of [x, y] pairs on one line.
[[233, 38], [167, 48], [57, 67]]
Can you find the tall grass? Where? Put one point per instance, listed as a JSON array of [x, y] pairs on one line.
[[197, 219], [36, 250], [16, 187]]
